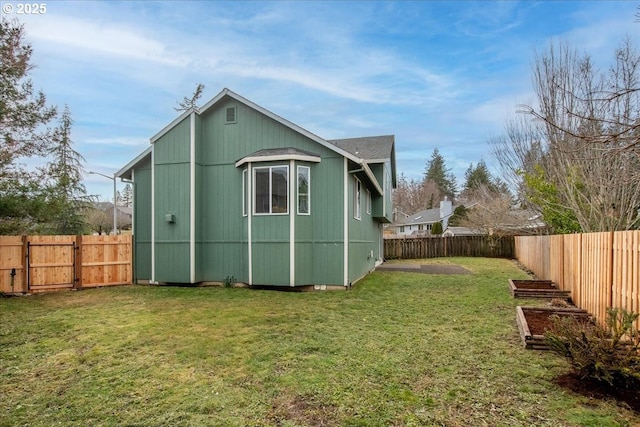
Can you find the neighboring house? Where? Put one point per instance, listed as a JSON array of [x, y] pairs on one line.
[[232, 189], [461, 231], [420, 223]]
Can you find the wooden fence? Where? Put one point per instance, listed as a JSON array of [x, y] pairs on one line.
[[433, 247], [31, 264], [600, 269]]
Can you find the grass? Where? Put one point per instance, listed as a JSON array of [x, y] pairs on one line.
[[399, 349]]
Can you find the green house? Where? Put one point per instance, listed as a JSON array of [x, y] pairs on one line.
[[232, 189]]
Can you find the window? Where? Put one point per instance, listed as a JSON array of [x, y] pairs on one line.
[[402, 228], [245, 192], [356, 198], [303, 191], [368, 202], [271, 190]]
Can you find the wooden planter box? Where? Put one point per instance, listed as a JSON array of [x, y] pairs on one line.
[[536, 289], [532, 334]]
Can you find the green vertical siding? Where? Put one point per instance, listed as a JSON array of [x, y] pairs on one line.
[[363, 235], [221, 231], [142, 216], [171, 173]]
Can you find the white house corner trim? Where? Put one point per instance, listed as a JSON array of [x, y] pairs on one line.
[[292, 223], [249, 197], [192, 199], [153, 217], [345, 256]]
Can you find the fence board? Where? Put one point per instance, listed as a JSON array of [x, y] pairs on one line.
[[601, 270], [99, 261], [433, 247], [12, 261]]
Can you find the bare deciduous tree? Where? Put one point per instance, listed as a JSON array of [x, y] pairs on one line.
[[575, 155]]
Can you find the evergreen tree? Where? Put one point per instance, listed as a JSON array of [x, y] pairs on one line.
[[24, 114], [437, 172], [67, 192], [127, 196]]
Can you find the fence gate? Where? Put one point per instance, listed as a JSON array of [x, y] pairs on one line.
[[51, 266]]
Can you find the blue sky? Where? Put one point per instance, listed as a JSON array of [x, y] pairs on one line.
[[434, 74]]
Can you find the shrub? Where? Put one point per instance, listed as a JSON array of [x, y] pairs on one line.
[[229, 282], [607, 354]]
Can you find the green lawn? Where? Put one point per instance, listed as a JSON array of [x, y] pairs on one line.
[[399, 349]]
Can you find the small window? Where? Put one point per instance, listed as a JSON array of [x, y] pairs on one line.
[[245, 193], [271, 190], [304, 207], [230, 115], [356, 198], [402, 228], [368, 202]]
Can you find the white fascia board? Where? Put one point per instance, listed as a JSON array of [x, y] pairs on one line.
[[371, 177], [129, 166], [278, 157], [282, 121], [173, 124]]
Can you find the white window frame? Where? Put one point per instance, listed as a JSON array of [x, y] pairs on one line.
[[368, 202], [245, 174], [270, 169], [357, 199], [308, 194]]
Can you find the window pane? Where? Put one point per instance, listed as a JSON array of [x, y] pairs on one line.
[[303, 190], [279, 183], [262, 190], [356, 208]]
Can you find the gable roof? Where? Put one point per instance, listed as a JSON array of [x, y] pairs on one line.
[[374, 149], [125, 172], [425, 216]]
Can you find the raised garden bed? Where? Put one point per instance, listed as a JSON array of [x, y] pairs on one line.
[[536, 289], [534, 321]]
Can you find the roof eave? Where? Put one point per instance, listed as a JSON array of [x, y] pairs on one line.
[[125, 172]]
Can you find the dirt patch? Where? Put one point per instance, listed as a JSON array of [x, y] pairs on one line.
[[593, 389], [425, 268], [305, 410], [539, 322]]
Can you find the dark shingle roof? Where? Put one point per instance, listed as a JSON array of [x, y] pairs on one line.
[[368, 147]]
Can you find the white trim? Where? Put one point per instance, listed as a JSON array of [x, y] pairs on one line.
[[173, 124], [277, 158], [249, 233], [153, 217], [132, 163], [253, 195], [368, 201], [285, 122], [192, 198], [245, 192], [292, 232], [357, 199], [345, 254], [133, 204]]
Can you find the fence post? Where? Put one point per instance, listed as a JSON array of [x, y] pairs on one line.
[[25, 264], [77, 257]]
